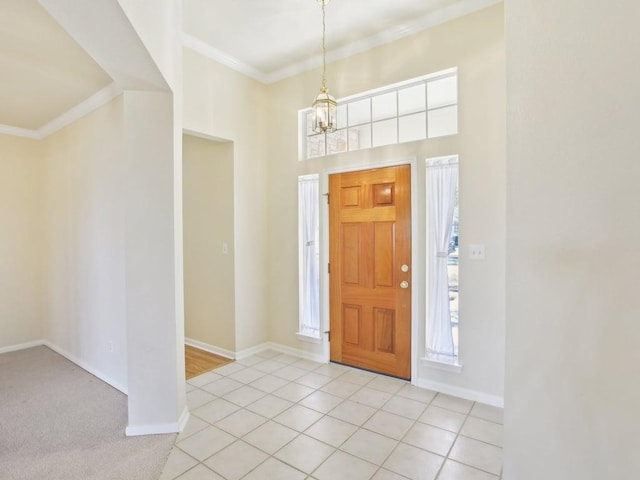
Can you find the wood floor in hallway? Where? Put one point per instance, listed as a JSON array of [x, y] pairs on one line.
[[198, 361]]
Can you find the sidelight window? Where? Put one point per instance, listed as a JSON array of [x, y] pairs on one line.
[[442, 258], [309, 255]]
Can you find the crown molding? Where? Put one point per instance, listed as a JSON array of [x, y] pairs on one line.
[[225, 59], [84, 108], [433, 19], [95, 101], [18, 132]]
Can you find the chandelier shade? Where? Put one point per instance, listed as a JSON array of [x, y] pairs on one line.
[[324, 113], [325, 107]]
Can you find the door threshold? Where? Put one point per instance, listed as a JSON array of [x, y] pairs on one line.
[[370, 371]]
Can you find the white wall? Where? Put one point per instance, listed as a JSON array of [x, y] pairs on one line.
[[139, 45], [221, 103], [209, 286], [153, 138], [113, 218], [573, 363], [155, 355], [84, 241], [475, 44], [21, 319]]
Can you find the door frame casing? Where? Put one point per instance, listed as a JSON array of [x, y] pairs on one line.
[[417, 274]]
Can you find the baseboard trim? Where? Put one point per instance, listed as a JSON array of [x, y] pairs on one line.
[[22, 346], [210, 348], [161, 428], [184, 418], [247, 352], [68, 356], [153, 429], [86, 366], [131, 430], [468, 394], [465, 393], [278, 347], [297, 352]]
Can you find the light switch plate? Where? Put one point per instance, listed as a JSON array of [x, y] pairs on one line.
[[476, 252]]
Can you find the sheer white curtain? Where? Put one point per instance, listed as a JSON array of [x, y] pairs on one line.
[[442, 181], [309, 274]]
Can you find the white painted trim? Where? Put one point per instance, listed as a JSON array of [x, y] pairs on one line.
[[460, 392], [325, 324], [423, 79], [95, 101], [210, 348], [295, 352], [206, 50], [247, 352], [303, 337], [417, 280], [156, 429], [86, 366], [19, 132], [22, 346], [184, 418], [367, 166], [439, 365], [438, 17], [68, 356], [195, 133], [152, 429]]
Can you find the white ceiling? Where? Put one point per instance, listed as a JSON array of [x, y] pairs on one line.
[[273, 39], [43, 72]]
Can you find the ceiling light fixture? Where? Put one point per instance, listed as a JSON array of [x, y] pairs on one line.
[[324, 106]]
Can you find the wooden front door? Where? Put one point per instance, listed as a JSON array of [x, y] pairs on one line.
[[369, 261]]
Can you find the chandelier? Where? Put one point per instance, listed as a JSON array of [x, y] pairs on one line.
[[324, 106]]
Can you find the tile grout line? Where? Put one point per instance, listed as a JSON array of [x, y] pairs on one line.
[[405, 434], [324, 415], [454, 442], [458, 435], [393, 394], [299, 433], [356, 431]]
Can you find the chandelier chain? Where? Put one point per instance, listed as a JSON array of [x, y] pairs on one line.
[[324, 51]]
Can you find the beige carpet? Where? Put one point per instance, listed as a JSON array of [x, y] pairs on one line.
[[59, 422]]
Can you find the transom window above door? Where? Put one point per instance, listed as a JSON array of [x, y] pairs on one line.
[[416, 109]]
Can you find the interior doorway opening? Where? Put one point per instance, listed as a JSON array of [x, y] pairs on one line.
[[208, 238]]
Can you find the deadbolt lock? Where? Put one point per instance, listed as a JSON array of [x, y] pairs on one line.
[[404, 268]]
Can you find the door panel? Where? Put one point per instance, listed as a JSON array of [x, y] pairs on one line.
[[369, 239]]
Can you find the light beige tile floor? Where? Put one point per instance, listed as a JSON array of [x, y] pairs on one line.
[[275, 416]]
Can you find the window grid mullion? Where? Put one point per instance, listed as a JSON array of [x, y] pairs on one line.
[[424, 81]]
